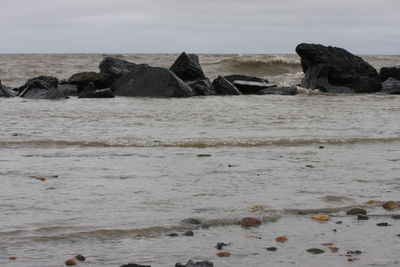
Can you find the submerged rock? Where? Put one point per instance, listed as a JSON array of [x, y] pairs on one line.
[[335, 70], [279, 91], [224, 87], [251, 87], [147, 81], [187, 67], [390, 72], [116, 67], [191, 263], [391, 86]]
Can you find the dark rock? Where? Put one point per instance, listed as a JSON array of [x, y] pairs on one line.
[[6, 91], [147, 81], [191, 263], [191, 221], [173, 235], [187, 67], [89, 92], [396, 217], [279, 91], [356, 211], [41, 82], [356, 252], [383, 224], [362, 218], [224, 87], [80, 257], [220, 245], [134, 265], [335, 70], [188, 233], [117, 67], [390, 72], [68, 89], [239, 77], [250, 87], [391, 86], [201, 87], [315, 251], [97, 80], [272, 249], [37, 93]]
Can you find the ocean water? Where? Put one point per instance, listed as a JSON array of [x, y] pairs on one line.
[[123, 173]]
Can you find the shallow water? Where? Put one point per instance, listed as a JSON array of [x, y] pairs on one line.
[[122, 174]]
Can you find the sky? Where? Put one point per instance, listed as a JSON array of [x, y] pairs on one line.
[[197, 26]]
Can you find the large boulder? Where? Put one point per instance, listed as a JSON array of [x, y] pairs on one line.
[[42, 87], [223, 87], [147, 81], [335, 70], [97, 80], [251, 87], [116, 67], [6, 91], [201, 87], [391, 86], [187, 67], [390, 72]]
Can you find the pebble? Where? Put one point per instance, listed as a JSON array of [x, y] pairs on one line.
[[333, 248], [191, 263], [396, 217], [356, 211], [322, 217], [188, 233], [12, 258], [272, 249], [390, 205], [79, 257], [223, 254], [315, 251], [352, 259], [203, 155], [191, 221], [356, 252], [362, 218], [281, 239], [310, 166], [220, 245], [173, 235], [339, 222], [43, 179], [250, 222], [383, 224], [70, 262], [321, 147]]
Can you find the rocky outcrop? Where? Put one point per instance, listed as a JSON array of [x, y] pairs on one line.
[[6, 91], [187, 67], [191, 263], [201, 87], [391, 86], [390, 72], [335, 70], [279, 91], [147, 81], [97, 80], [42, 87], [224, 87], [251, 87], [117, 67]]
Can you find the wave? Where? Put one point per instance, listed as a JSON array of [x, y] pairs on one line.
[[271, 66], [197, 143]]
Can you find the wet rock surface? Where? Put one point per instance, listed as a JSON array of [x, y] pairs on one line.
[[97, 80], [391, 86], [279, 91], [187, 67], [224, 87], [116, 67], [191, 263], [390, 72], [90, 92], [251, 87]]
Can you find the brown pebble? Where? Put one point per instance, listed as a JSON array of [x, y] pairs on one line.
[[250, 222], [333, 248], [272, 249], [352, 259], [223, 254], [322, 217], [390, 205], [80, 257], [281, 239], [356, 211], [70, 262], [12, 258], [43, 179]]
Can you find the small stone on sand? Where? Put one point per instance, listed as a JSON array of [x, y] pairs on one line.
[[250, 222], [281, 239], [315, 251], [362, 218], [80, 257], [70, 262], [223, 254], [322, 217], [188, 233], [383, 224], [356, 211], [12, 258], [272, 249], [390, 205]]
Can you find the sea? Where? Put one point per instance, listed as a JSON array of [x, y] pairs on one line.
[[112, 179]]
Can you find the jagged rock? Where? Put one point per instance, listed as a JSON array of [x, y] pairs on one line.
[[41, 82], [187, 67], [279, 91], [37, 93], [391, 86], [390, 72], [6, 91], [335, 70], [201, 86], [117, 67], [90, 92], [147, 81], [251, 87], [191, 263], [97, 80], [68, 89], [224, 87], [239, 77]]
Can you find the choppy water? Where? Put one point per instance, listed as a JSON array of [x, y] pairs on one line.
[[122, 173]]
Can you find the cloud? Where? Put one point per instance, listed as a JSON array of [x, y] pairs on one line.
[[256, 26]]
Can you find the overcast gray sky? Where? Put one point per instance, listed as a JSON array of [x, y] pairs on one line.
[[208, 26]]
